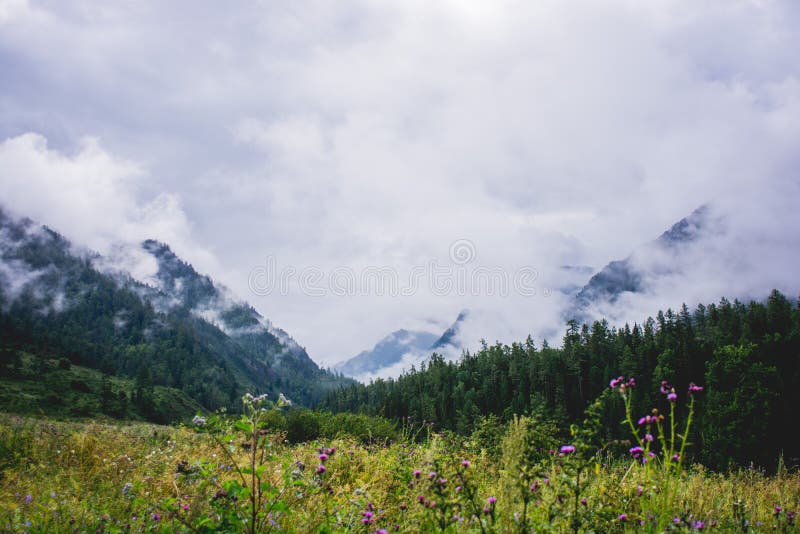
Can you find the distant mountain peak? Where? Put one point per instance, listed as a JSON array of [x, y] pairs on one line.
[[623, 276]]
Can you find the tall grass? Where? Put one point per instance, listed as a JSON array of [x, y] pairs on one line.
[[88, 477]]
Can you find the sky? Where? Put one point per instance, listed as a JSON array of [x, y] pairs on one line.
[[326, 142]]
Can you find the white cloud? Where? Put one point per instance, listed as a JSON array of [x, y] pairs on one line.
[[360, 134]]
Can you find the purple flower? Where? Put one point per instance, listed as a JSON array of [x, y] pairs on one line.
[[672, 397], [636, 451], [486, 510], [465, 463], [615, 382], [677, 520], [698, 525], [583, 501], [417, 473], [567, 449], [28, 498], [622, 517], [644, 420], [432, 474], [648, 437], [778, 510], [320, 469], [631, 382], [694, 389], [156, 517], [323, 457], [491, 500], [665, 387], [676, 457]]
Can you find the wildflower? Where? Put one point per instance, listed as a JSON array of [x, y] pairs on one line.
[[778, 510], [567, 449], [698, 525], [648, 437], [639, 490], [672, 397], [491, 500], [323, 457], [583, 501], [665, 387], [185, 507], [676, 457], [442, 481], [432, 475], [403, 507], [458, 488], [28, 498], [631, 382], [156, 517], [636, 452], [421, 499], [465, 463], [417, 473], [622, 517], [694, 389], [127, 488], [486, 510], [320, 469], [199, 421], [677, 520], [643, 420]]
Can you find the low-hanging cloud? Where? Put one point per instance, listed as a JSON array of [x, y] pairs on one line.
[[376, 134]]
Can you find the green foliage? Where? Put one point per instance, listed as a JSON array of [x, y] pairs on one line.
[[749, 355]]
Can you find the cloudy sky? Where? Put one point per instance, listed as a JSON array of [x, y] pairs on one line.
[[316, 136]]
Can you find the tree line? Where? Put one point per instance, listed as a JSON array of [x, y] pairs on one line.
[[746, 356]]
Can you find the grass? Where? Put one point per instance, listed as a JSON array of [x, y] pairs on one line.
[[88, 476]]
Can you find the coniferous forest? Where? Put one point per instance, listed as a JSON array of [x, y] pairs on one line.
[[747, 356]]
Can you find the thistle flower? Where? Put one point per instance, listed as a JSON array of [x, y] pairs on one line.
[[417, 473], [323, 457], [491, 500], [465, 463], [672, 397], [567, 449], [320, 469], [693, 388], [636, 452], [648, 437], [622, 517]]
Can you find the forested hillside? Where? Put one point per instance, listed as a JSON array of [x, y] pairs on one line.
[[746, 355], [58, 302]]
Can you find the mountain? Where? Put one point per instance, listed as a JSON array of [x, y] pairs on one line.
[[388, 352], [628, 275], [449, 337], [167, 326]]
